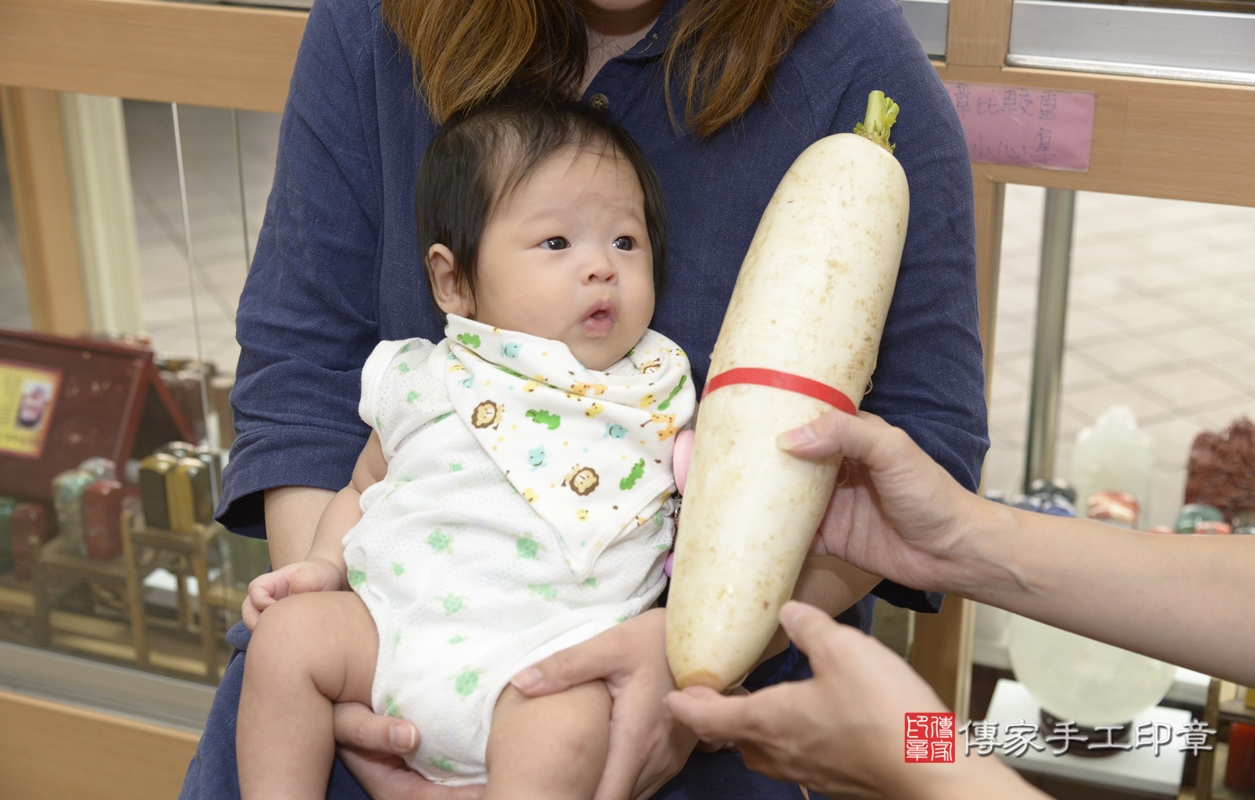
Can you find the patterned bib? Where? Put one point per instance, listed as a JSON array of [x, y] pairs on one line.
[[590, 450]]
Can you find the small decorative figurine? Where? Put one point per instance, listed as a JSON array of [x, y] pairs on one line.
[[1244, 523], [188, 494], [152, 486], [102, 519], [102, 468], [1193, 515], [67, 500], [1222, 469], [1115, 508], [178, 449]]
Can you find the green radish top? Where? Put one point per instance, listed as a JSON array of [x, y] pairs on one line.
[[882, 112]]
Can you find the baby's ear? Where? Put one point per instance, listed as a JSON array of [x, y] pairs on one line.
[[451, 294]]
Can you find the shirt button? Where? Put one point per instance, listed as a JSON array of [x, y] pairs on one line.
[[599, 102]]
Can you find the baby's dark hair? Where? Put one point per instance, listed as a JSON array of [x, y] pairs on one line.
[[479, 157]]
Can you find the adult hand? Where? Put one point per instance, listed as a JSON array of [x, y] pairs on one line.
[[314, 575], [895, 511], [647, 748], [371, 747], [840, 732]]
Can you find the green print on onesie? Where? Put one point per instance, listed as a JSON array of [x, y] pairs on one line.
[[398, 569], [452, 604], [395, 486], [439, 541], [544, 418], [442, 763], [457, 640], [403, 368], [638, 471], [665, 403], [543, 590], [390, 707], [469, 339], [411, 397], [466, 682], [526, 546], [356, 577]]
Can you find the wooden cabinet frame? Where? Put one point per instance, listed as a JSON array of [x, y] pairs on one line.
[[1148, 140]]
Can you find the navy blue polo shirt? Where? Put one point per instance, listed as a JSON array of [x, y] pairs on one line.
[[337, 269]]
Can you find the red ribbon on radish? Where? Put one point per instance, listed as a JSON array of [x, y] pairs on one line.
[[758, 376]]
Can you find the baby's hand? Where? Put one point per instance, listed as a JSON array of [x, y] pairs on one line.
[[314, 575]]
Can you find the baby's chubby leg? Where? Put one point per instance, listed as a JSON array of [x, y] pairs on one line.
[[548, 748], [307, 651]]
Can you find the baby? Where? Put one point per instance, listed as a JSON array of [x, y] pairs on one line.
[[514, 496]]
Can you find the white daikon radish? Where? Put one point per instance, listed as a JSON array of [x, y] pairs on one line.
[[810, 302]]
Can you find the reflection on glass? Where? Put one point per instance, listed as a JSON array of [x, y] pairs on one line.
[[1240, 6], [1157, 290], [14, 312], [107, 545]]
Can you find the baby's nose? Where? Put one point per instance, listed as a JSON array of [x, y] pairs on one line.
[[601, 268]]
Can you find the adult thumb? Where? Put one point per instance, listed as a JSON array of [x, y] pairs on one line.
[[835, 433], [585, 662], [815, 633]]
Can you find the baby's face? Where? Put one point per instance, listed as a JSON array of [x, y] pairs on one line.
[[566, 256]]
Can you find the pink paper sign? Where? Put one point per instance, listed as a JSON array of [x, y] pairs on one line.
[[1025, 127]]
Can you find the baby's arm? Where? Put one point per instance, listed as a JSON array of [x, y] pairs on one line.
[[345, 509], [323, 569]]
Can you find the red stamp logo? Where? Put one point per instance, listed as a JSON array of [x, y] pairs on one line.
[[929, 738]]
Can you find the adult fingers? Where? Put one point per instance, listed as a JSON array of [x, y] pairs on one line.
[[595, 659], [709, 714], [387, 778], [838, 433], [822, 639], [357, 726], [646, 750]]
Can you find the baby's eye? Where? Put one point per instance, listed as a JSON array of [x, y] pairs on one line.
[[555, 243], [625, 243]]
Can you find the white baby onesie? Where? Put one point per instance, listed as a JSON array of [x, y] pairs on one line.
[[525, 509]]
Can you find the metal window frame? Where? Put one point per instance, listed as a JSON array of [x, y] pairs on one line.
[[1181, 44], [930, 20], [120, 690]]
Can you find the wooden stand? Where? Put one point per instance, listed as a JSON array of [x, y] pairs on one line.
[[144, 550], [191, 552], [1224, 704], [54, 565]]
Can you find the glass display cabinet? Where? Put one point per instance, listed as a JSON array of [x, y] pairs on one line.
[[140, 142]]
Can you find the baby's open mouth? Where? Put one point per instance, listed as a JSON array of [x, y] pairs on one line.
[[600, 318]]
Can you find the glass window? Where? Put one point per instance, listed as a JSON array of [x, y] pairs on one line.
[[110, 473]]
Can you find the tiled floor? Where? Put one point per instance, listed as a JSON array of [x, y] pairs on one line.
[[214, 210], [1161, 316]]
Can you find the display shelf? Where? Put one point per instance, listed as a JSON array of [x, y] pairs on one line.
[[1136, 770], [1235, 710]]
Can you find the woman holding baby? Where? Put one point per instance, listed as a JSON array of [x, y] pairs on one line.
[[720, 96]]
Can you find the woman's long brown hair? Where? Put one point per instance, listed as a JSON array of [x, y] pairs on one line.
[[722, 53]]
